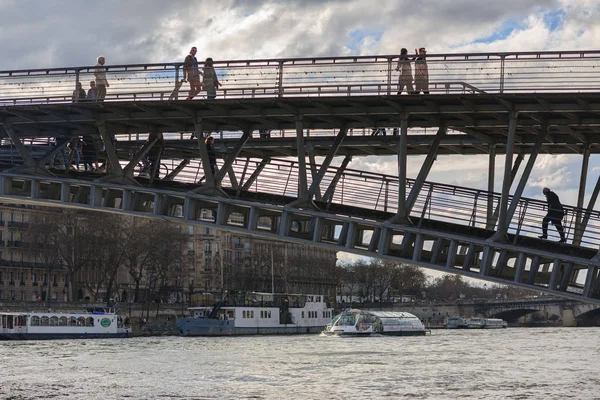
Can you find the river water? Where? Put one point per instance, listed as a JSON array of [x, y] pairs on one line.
[[513, 363]]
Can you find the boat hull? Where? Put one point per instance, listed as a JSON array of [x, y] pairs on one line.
[[216, 327], [54, 336], [401, 333]]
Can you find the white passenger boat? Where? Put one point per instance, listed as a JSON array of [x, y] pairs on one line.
[[456, 323], [494, 323], [258, 314], [93, 323], [364, 323], [475, 323]]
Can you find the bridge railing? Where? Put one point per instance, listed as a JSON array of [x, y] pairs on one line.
[[464, 73], [379, 192]]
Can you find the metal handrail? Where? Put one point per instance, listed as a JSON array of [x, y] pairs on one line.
[[438, 201], [505, 72]]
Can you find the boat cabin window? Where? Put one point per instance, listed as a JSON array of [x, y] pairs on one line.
[[44, 321], [89, 321], [73, 321], [35, 321], [53, 321], [345, 320], [63, 321], [81, 321]]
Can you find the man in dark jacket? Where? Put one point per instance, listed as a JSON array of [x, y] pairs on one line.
[[555, 215]]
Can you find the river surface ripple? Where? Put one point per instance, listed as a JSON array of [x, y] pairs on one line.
[[513, 363]]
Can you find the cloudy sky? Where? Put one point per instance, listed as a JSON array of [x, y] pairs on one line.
[[36, 34]]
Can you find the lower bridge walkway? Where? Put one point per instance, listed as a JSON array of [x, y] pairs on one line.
[[447, 228]]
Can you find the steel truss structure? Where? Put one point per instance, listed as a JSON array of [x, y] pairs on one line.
[[330, 108]]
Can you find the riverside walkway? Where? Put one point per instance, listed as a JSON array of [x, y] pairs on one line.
[[519, 105]]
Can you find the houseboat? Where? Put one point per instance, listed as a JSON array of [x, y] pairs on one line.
[[258, 314], [363, 323], [91, 324]]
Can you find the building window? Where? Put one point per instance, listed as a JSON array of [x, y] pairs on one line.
[[207, 247], [191, 229], [206, 230]]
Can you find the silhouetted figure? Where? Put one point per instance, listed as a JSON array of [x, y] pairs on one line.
[[192, 73], [405, 80], [92, 94], [421, 72], [101, 82], [210, 81], [555, 215], [212, 157], [78, 93]]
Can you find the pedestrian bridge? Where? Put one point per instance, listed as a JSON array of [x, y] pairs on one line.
[[517, 104]]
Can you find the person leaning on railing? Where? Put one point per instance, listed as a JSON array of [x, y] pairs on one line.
[[101, 82]]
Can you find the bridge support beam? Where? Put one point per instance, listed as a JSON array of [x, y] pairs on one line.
[[506, 180], [401, 216], [522, 182], [177, 170], [425, 169], [30, 165], [313, 173], [246, 185], [314, 186], [210, 182], [587, 215], [490, 222], [328, 195], [579, 227], [128, 170], [231, 157], [301, 151], [115, 173]]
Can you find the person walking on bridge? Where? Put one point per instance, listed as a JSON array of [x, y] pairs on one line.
[[555, 215], [191, 73], [101, 82]]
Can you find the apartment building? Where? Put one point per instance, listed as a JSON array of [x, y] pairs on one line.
[[214, 260]]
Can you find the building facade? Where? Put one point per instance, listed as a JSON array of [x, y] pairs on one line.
[[213, 261]]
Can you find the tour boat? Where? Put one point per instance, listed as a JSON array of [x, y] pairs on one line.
[[494, 323], [475, 323], [364, 323], [93, 323], [258, 314], [456, 323]]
